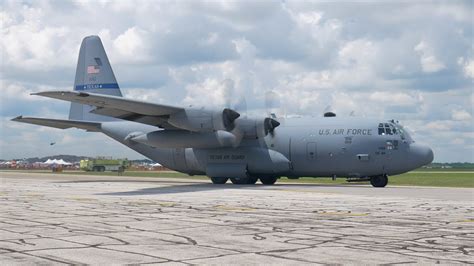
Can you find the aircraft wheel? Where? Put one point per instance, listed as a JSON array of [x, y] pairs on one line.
[[252, 180], [219, 180], [239, 181], [379, 181], [268, 180]]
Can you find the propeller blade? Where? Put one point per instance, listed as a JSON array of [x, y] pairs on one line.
[[272, 103], [269, 125], [227, 92], [241, 106], [228, 118]]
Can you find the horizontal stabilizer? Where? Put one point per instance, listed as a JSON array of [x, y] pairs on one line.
[[58, 123]]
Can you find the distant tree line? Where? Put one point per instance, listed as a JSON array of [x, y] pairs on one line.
[[74, 158], [465, 165]]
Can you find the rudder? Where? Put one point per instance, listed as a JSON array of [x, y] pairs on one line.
[[93, 74]]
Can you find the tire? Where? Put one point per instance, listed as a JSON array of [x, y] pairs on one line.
[[219, 180], [252, 180], [268, 180], [379, 181], [239, 181]]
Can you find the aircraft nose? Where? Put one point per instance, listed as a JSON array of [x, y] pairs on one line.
[[423, 154]]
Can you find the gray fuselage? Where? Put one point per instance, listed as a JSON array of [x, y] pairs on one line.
[[314, 147]]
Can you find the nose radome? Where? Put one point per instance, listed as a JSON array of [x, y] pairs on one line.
[[422, 153]]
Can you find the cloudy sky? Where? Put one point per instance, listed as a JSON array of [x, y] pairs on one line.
[[412, 61]]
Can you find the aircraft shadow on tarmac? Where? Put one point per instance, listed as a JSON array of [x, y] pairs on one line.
[[177, 187]]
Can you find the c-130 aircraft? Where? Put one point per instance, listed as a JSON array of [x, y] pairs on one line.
[[224, 145]]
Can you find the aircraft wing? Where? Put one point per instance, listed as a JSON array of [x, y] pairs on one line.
[[119, 107], [59, 123]]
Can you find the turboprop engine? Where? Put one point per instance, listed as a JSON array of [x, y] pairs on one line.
[[207, 129]]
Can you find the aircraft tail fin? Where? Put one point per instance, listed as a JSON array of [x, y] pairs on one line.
[[93, 74]]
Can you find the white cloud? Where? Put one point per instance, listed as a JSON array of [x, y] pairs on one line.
[[311, 17], [468, 67], [312, 55], [461, 115], [429, 62], [133, 46], [439, 126], [358, 52], [395, 98], [458, 141], [207, 92], [149, 95]]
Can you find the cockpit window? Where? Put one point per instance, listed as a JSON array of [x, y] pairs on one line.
[[404, 135], [394, 128], [381, 129], [387, 129]]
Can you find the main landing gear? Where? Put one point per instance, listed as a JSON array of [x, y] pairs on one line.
[[250, 180], [219, 180], [379, 180]]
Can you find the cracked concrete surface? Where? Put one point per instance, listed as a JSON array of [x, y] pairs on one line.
[[55, 219]]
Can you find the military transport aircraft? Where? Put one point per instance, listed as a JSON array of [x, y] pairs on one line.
[[224, 145]]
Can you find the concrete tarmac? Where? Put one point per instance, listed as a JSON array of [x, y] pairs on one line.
[[55, 219]]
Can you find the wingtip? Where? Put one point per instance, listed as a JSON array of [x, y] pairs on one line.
[[18, 118], [39, 93], [46, 93]]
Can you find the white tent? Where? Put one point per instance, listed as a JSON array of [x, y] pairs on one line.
[[62, 162], [57, 162]]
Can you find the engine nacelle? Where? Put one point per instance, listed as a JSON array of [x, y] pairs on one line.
[[202, 120], [187, 139]]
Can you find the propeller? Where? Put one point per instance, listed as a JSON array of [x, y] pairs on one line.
[[269, 125], [272, 103], [241, 106], [232, 110], [228, 118]]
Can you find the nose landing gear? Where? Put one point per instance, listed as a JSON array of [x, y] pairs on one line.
[[379, 180]]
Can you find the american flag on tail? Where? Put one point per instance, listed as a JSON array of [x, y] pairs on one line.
[[93, 69]]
